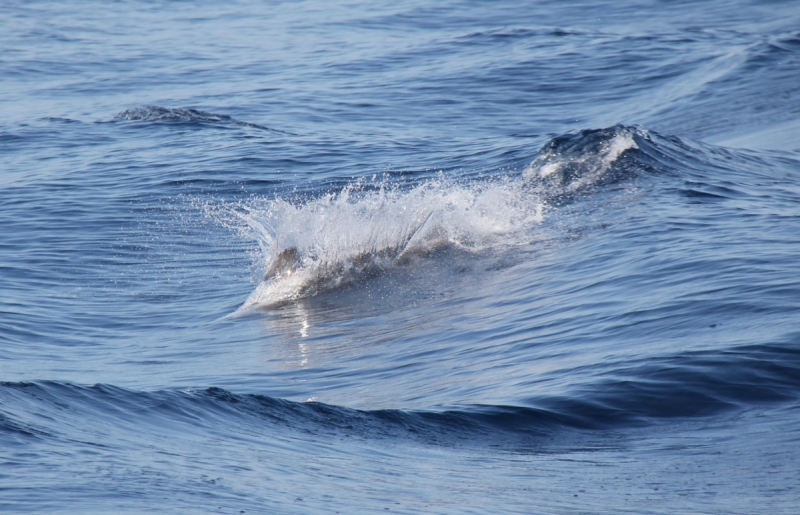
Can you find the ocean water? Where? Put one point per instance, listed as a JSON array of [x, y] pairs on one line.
[[407, 257]]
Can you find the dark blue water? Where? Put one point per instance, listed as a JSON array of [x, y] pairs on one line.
[[420, 257]]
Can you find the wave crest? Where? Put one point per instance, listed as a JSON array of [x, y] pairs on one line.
[[574, 162]]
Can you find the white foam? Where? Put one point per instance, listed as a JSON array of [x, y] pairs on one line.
[[365, 229]]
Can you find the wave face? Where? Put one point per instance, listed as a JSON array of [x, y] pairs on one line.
[[410, 257]]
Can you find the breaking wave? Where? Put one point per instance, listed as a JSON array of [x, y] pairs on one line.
[[312, 245], [360, 231]]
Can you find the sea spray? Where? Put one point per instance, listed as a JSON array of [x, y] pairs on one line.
[[311, 245]]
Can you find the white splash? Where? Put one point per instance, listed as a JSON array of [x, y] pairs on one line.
[[319, 244]]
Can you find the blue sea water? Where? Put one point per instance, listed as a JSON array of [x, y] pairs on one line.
[[415, 257]]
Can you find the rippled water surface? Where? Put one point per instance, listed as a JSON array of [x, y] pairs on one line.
[[419, 257]]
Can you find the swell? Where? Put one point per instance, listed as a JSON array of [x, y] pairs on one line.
[[685, 386]]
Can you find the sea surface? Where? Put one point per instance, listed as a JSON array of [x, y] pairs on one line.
[[408, 257]]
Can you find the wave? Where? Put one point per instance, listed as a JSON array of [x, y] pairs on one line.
[[313, 245], [684, 386], [194, 116], [591, 158]]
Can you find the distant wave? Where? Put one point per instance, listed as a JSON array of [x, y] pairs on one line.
[[684, 386], [167, 114]]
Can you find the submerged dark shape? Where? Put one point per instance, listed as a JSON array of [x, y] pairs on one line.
[[284, 264], [334, 273], [289, 260], [173, 114], [157, 113]]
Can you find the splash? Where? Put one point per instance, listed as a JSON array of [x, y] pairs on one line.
[[364, 229], [307, 246]]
